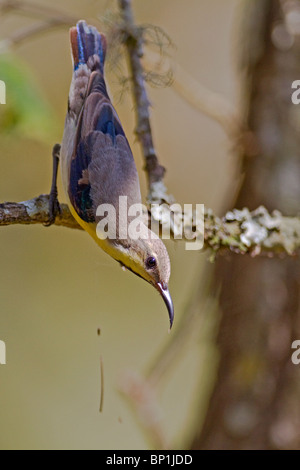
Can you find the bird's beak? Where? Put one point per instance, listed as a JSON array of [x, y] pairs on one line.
[[164, 292]]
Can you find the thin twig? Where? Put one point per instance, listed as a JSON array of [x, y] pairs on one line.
[[134, 44]]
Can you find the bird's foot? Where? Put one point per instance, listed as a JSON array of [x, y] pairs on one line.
[[54, 209]]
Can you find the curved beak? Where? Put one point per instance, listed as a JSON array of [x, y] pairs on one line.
[[164, 292]]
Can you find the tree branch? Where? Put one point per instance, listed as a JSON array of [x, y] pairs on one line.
[[34, 211], [257, 232]]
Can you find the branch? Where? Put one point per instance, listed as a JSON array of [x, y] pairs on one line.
[[257, 232], [35, 211]]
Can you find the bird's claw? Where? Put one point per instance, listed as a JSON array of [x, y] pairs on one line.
[[54, 210]]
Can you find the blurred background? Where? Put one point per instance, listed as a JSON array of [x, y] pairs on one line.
[[217, 380]]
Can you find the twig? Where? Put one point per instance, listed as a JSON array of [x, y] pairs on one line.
[[134, 44]]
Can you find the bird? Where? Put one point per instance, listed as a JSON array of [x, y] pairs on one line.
[[98, 167]]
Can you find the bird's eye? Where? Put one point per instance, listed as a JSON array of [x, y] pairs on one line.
[[150, 262]]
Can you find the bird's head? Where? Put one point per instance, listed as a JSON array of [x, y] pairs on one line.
[[148, 258]]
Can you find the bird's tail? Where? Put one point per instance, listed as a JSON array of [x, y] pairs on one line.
[[88, 46]]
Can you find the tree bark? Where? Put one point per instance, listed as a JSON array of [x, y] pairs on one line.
[[255, 402]]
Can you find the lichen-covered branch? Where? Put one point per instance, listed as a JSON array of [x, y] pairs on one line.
[[255, 233]]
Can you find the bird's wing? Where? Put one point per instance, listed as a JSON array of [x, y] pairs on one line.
[[102, 167]]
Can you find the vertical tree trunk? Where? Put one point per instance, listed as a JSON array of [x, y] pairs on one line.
[[256, 401]]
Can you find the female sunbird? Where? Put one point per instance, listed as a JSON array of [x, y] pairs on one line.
[[98, 167]]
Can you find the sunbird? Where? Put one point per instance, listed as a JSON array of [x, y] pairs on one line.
[[98, 166]]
